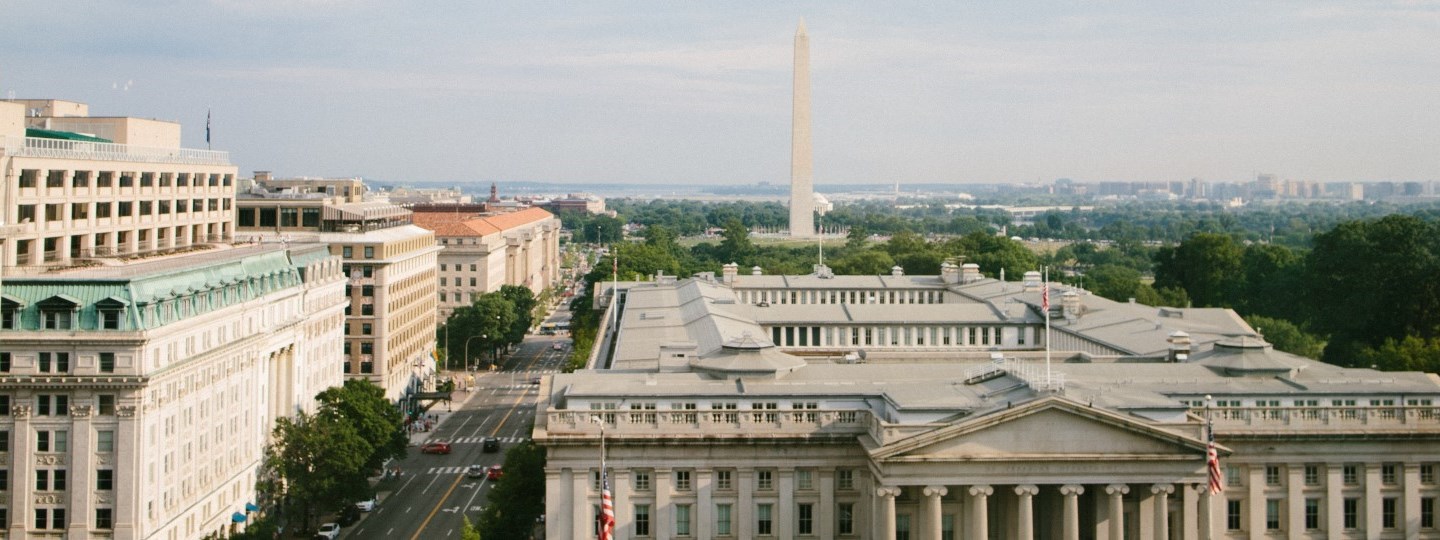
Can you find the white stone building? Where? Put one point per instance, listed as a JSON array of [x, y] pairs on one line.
[[136, 400], [900, 407], [486, 251]]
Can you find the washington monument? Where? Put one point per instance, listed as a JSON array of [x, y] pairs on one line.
[[802, 196]]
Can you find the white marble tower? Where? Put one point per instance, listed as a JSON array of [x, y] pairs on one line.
[[802, 197]]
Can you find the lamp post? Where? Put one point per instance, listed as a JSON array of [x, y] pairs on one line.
[[467, 351]]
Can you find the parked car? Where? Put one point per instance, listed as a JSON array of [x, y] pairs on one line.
[[493, 473], [475, 471], [435, 448], [366, 506], [348, 516], [558, 346], [491, 444], [328, 531]]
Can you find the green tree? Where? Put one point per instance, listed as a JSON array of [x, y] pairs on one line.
[[1117, 283], [1285, 336], [518, 500], [1411, 353], [322, 462], [481, 326], [524, 301], [736, 246], [857, 237], [362, 404], [603, 230], [1271, 275], [867, 262], [1206, 265], [468, 530], [994, 253]]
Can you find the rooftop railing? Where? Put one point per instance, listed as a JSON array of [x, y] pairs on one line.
[[763, 423], [66, 149], [1324, 418]]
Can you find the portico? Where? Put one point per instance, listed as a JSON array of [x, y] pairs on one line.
[[1051, 468]]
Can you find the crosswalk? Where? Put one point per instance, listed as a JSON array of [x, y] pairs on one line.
[[478, 439], [446, 470]]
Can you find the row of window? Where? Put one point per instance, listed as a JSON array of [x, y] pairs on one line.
[[841, 297], [724, 525], [1349, 474], [56, 362], [279, 217], [348, 252], [59, 405], [107, 209], [474, 282], [54, 518], [58, 440], [30, 178], [1350, 513], [1341, 402], [808, 336], [460, 267], [682, 479]]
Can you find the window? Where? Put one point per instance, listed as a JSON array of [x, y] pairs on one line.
[[49, 518], [764, 480], [106, 404], [1387, 513], [1312, 475], [48, 405], [367, 290], [125, 208], [1427, 512], [804, 479], [1272, 514], [1350, 474], [1350, 512], [28, 177], [1427, 474], [369, 252], [1272, 475], [902, 527], [347, 252], [682, 480], [42, 480], [805, 518], [845, 479], [109, 320], [54, 362], [103, 518], [4, 479], [107, 362], [366, 329], [104, 441], [42, 441], [723, 480], [79, 210], [4, 362], [682, 520], [642, 480], [103, 210], [1387, 474], [764, 520], [722, 520], [642, 520], [1233, 476], [56, 319], [1312, 514], [845, 518], [1232, 515]]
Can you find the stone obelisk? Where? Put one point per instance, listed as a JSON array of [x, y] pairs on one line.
[[802, 197]]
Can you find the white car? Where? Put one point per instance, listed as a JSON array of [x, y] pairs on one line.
[[328, 531], [365, 506]]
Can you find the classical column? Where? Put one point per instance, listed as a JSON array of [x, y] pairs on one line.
[[1026, 525], [1162, 509], [1117, 510], [886, 519], [1207, 514], [979, 522], [932, 511], [1072, 493]]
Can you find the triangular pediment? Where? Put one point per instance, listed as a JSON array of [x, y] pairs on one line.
[[1050, 428]]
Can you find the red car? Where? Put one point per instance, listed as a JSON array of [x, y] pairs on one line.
[[493, 473], [435, 448]]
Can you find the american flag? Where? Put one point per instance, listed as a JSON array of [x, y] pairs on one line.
[[1212, 463], [1045, 297], [607, 510]]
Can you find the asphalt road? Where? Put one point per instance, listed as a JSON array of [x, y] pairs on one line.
[[432, 493]]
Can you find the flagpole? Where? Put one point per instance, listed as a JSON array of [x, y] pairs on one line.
[[615, 287], [1045, 294]]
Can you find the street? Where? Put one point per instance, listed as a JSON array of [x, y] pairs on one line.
[[432, 493]]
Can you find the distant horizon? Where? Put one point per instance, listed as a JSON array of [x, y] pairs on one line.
[[625, 92]]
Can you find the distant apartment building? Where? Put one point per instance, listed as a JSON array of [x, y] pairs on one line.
[[136, 400], [78, 187], [484, 252], [390, 263]]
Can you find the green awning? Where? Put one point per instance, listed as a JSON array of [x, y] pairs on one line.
[[62, 135]]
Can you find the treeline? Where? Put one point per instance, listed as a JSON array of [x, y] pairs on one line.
[[1289, 224]]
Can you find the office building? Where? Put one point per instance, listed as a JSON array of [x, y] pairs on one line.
[[927, 407], [484, 251], [390, 263]]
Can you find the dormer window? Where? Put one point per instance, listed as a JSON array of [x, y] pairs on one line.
[[111, 311], [58, 312], [10, 312]]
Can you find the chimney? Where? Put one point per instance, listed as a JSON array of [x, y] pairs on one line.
[[949, 273], [970, 273], [1179, 346], [728, 273], [1032, 281], [897, 271], [1070, 306], [756, 271]]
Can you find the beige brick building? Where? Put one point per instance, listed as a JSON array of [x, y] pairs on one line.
[[80, 187]]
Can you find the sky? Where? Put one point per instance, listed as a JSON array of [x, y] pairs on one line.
[[699, 92]]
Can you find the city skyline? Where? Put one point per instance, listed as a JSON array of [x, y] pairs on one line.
[[621, 93]]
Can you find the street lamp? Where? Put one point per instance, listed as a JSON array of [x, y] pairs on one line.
[[467, 351]]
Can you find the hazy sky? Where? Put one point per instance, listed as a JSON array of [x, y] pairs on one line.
[[699, 92]]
